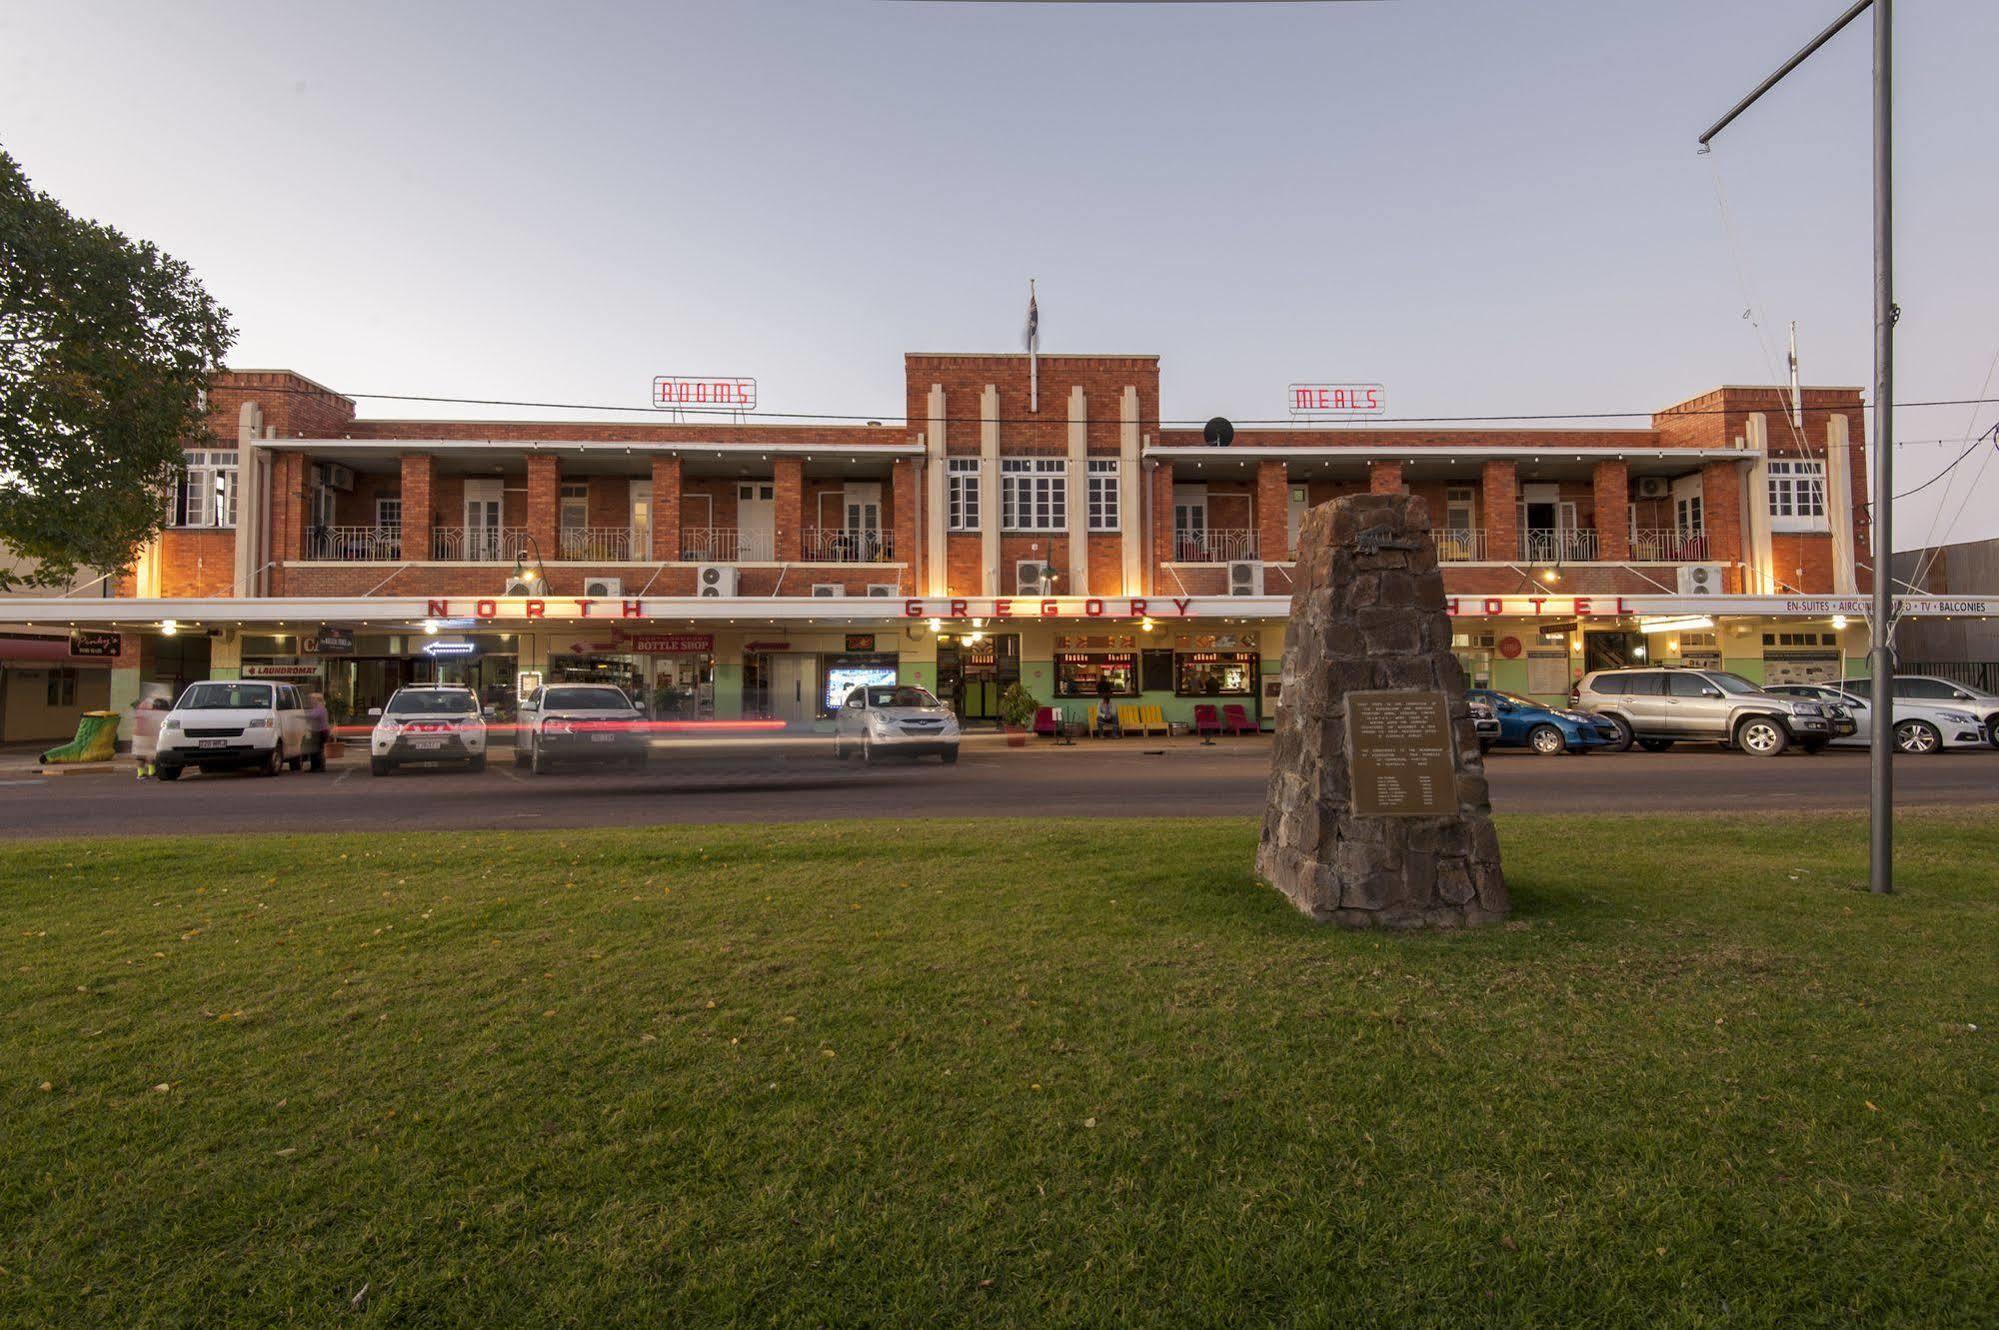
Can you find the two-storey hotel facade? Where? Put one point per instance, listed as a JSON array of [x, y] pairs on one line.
[[1023, 523]]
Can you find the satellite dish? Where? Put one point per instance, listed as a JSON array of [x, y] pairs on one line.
[[1218, 432]]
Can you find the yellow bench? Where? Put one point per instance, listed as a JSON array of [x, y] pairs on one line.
[[1154, 719], [1130, 720]]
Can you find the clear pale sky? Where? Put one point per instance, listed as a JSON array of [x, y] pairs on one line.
[[1490, 208]]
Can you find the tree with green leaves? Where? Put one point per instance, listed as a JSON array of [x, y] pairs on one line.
[[105, 347]]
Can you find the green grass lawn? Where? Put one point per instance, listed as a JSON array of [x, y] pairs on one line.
[[995, 1073]]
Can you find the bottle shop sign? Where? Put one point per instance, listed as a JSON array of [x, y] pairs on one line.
[[1320, 400], [685, 392]]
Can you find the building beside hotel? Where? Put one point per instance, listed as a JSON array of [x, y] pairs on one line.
[[726, 566]]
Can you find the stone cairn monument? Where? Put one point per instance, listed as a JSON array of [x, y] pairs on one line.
[[1378, 814]]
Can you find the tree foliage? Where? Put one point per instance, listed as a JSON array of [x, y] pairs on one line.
[[105, 346]]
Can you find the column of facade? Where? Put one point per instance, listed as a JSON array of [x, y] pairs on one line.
[[419, 521], [544, 503], [906, 496], [1161, 518], [1612, 483], [1077, 583], [1385, 478], [936, 531], [788, 486], [1839, 506], [1499, 510], [1273, 510], [1131, 508], [1721, 508], [666, 478], [989, 498]]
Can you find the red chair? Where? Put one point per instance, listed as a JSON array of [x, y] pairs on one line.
[[1207, 719], [1236, 719], [1048, 721]]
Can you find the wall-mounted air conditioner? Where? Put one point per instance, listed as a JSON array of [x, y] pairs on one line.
[[603, 587], [829, 588], [1654, 487], [1246, 578], [1031, 578], [1700, 579], [521, 586], [715, 579], [882, 588], [339, 477]]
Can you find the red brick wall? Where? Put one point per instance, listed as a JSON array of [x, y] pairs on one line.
[[1162, 523], [568, 579], [544, 498], [1384, 478], [666, 481], [197, 562], [419, 503], [1721, 509], [963, 561], [905, 497], [1498, 508], [1273, 505], [788, 473], [1611, 486], [1102, 378]]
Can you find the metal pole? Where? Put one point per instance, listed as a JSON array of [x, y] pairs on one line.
[[1789, 65], [1881, 800]]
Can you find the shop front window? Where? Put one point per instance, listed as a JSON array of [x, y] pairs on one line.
[[1093, 673], [1216, 674]]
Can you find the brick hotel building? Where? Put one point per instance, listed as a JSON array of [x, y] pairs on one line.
[[729, 567]]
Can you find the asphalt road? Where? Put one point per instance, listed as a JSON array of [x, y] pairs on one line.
[[799, 780]]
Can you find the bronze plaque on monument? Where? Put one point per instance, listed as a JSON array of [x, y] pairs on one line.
[[1402, 763]]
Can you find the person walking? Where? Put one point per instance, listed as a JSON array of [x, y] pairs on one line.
[[321, 727]]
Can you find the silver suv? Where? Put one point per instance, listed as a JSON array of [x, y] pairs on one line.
[[1658, 708]]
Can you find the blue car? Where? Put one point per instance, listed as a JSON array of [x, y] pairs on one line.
[[1525, 723]]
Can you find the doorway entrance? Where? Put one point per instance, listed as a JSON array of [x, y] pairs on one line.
[[971, 675], [1607, 650], [793, 679]]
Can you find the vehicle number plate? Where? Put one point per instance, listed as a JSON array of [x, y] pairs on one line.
[[602, 738], [211, 743], [426, 743]]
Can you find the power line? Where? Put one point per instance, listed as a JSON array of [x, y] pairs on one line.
[[1975, 445]]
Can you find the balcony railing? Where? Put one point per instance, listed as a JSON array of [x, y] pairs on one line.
[[1539, 545], [1669, 546], [1460, 545], [1213, 545], [596, 544], [833, 544], [726, 544], [355, 544], [478, 544]]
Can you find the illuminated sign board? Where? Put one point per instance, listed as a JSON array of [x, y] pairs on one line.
[[678, 392], [1336, 399]]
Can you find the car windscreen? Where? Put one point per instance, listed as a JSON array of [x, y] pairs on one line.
[[224, 697], [902, 695], [584, 699], [1731, 683], [433, 702], [1511, 699]]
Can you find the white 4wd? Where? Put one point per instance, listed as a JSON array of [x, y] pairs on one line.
[[225, 723]]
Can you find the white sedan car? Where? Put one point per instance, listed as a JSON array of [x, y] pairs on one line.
[[901, 720], [1920, 727]]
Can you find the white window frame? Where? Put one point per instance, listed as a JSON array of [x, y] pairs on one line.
[[572, 499], [1104, 474], [1797, 494], [1034, 494], [961, 493], [196, 491], [388, 512]]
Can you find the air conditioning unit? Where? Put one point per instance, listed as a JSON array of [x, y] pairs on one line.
[[522, 586], [883, 588], [1030, 577], [1700, 579], [1654, 487], [1246, 578], [829, 588], [715, 579], [603, 588]]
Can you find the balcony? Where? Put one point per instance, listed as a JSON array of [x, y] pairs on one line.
[[1549, 545], [355, 544], [596, 544], [726, 544], [847, 545], [1669, 546], [1214, 545], [477, 544], [1460, 545]]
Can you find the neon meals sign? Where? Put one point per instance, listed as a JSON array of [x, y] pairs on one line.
[[679, 392], [1337, 399]]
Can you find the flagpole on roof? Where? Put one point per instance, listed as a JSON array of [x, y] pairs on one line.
[[1033, 350]]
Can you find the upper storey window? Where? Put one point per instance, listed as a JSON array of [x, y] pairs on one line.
[[1797, 495], [206, 494], [1034, 494]]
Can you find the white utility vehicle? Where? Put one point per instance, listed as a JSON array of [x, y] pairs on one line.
[[222, 724]]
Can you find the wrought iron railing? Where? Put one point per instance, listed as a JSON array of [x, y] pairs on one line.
[[1213, 545], [1668, 545], [859, 544], [355, 544], [1460, 544], [595, 544], [478, 544], [1541, 545], [726, 544]]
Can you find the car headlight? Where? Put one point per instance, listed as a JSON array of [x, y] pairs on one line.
[[172, 723], [1807, 709], [260, 723], [1959, 717]]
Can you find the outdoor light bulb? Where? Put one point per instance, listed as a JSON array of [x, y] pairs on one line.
[[936, 625], [1146, 625], [1839, 622], [1638, 652], [978, 623], [1550, 575], [1672, 644], [430, 627], [168, 627]]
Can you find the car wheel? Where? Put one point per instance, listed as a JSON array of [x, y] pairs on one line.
[[1655, 745], [1621, 743], [275, 762], [380, 766], [167, 773], [1759, 736], [477, 764], [1918, 737], [950, 756], [1547, 740]]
